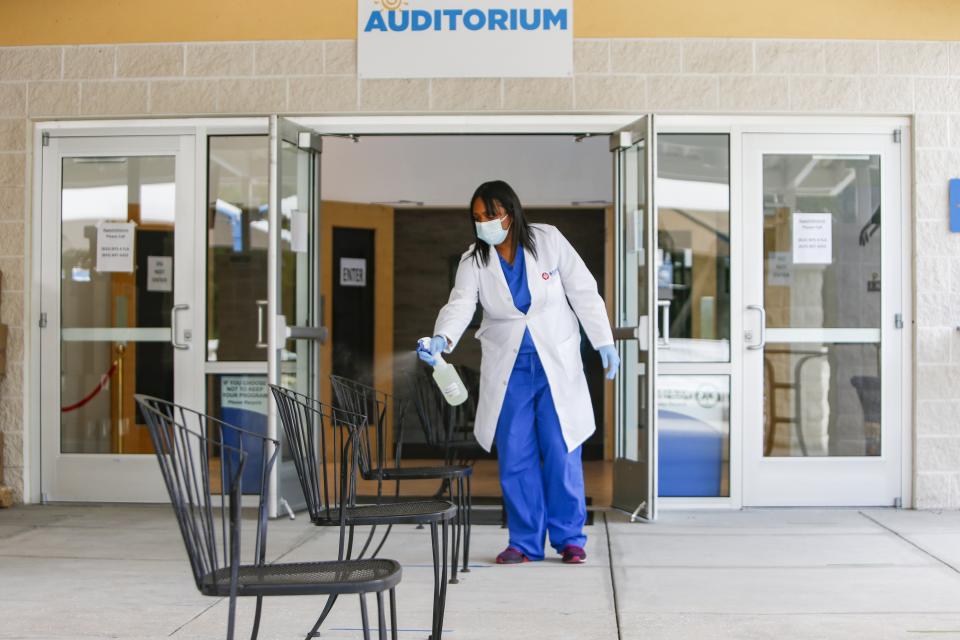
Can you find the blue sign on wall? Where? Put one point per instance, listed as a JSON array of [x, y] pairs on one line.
[[955, 205]]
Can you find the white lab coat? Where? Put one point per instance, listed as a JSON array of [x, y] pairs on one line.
[[558, 280]]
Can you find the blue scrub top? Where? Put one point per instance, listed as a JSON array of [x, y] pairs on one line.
[[516, 275]]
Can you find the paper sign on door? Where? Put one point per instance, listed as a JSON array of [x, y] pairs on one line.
[[812, 238], [115, 247], [353, 272], [778, 269], [159, 273]]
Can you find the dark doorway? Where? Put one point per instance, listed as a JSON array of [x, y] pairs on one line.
[[427, 249], [353, 303]]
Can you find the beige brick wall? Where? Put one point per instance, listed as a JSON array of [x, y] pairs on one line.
[[673, 75]]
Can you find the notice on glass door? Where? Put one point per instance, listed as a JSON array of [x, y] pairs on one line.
[[812, 238], [243, 394], [778, 269], [115, 247], [159, 273]]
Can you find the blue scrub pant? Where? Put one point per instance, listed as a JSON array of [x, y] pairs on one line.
[[542, 483]]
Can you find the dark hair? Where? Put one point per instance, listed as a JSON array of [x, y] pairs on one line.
[[498, 192]]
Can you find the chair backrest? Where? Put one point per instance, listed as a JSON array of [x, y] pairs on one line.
[[430, 406], [321, 439], [384, 414], [442, 424], [206, 497]]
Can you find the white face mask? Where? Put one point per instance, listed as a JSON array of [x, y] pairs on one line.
[[491, 232]]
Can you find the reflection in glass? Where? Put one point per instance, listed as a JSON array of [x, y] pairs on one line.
[[821, 241], [296, 231], [693, 413], [239, 400], [821, 399], [237, 239], [693, 261], [822, 288], [632, 442], [115, 325]]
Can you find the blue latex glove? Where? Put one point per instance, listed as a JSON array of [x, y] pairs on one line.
[[438, 344], [610, 359]]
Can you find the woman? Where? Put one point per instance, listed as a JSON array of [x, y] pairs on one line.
[[534, 400]]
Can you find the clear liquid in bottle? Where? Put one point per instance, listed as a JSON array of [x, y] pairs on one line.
[[447, 379]]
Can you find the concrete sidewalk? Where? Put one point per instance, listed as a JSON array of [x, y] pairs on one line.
[[121, 572]]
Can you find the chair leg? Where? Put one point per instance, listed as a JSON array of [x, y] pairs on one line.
[[393, 614], [363, 616], [434, 544], [467, 528], [381, 618], [454, 558], [256, 619], [231, 616], [443, 580], [314, 633]]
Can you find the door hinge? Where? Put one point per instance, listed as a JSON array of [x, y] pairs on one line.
[[310, 141], [898, 320], [897, 135], [43, 320], [620, 140], [45, 138]]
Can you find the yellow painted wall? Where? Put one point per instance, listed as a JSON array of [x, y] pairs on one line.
[[26, 22]]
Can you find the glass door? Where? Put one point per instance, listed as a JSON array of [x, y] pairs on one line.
[[695, 368], [822, 319], [294, 331], [117, 309], [635, 448]]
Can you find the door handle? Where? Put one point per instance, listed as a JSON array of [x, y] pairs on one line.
[[638, 333], [665, 308], [173, 326], [625, 333], [261, 305], [318, 334], [763, 327]]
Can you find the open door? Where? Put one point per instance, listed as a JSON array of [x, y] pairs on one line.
[[635, 451], [294, 325]]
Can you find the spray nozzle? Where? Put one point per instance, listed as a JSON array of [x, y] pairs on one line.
[[423, 345]]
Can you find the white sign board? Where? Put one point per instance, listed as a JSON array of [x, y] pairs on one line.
[[464, 38], [298, 231], [353, 272], [779, 273], [812, 238], [244, 392], [115, 247], [159, 273]]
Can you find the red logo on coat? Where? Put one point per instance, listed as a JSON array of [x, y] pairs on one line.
[[546, 276]]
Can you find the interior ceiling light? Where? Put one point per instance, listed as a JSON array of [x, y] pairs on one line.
[[416, 203]]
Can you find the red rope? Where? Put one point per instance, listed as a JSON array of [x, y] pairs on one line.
[[104, 380]]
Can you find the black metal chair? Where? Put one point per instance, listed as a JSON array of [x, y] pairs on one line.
[[315, 433], [207, 504], [386, 412], [448, 430]]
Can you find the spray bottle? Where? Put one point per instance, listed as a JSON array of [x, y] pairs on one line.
[[446, 377]]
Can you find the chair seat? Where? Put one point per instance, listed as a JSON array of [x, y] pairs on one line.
[[307, 578], [419, 511], [425, 473]]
